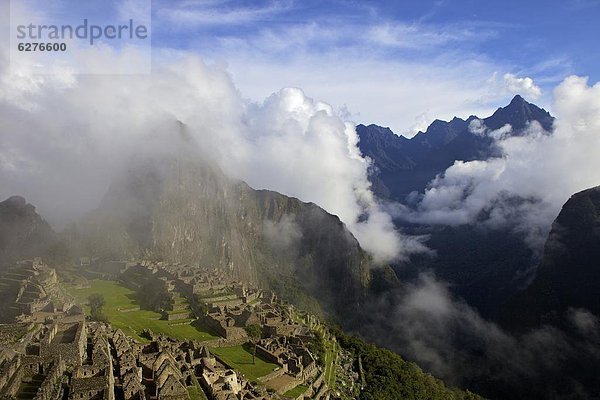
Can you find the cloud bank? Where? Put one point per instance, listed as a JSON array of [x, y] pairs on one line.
[[425, 323], [65, 137], [527, 186], [523, 86]]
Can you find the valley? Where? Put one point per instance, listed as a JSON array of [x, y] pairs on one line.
[[279, 298]]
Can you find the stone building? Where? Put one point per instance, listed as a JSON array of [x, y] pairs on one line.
[[30, 292], [67, 339], [229, 322], [168, 379], [291, 354], [94, 378]]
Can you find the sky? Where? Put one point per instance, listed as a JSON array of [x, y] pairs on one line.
[[400, 64], [394, 63]]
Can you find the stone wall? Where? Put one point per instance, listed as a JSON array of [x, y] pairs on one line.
[[51, 388], [178, 316], [12, 387], [8, 370], [264, 353], [73, 352]]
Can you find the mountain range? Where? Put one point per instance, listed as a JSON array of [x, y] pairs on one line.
[[184, 209], [483, 266], [402, 165]]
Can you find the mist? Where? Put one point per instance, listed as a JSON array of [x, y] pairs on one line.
[[425, 323], [66, 137], [538, 171]]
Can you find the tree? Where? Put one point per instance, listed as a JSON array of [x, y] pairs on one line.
[[154, 295], [254, 332], [96, 302]]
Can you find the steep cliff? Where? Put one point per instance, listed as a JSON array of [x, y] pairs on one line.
[[188, 211], [569, 273], [23, 233]]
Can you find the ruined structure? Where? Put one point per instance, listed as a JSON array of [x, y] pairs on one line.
[[57, 354], [29, 292]]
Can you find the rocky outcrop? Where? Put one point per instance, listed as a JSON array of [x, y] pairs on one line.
[[189, 212], [569, 273], [23, 233]]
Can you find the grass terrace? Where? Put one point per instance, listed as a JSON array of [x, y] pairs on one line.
[[240, 358], [196, 393], [295, 392], [122, 311]]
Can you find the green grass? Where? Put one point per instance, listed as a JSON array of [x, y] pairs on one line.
[[331, 352], [196, 393], [240, 358], [118, 297], [295, 392]]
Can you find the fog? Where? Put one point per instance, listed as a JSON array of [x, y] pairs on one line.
[[537, 173], [65, 137], [425, 323]]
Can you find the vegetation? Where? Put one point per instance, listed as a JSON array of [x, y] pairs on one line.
[[388, 376], [122, 310], [254, 332], [153, 295], [317, 348], [96, 302], [290, 289], [240, 358], [295, 392], [195, 391]]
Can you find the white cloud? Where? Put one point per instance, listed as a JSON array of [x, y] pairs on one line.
[[522, 86], [218, 13], [417, 36], [62, 144], [402, 95], [393, 75], [526, 187]]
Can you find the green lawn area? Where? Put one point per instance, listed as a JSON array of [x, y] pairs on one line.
[[295, 392], [331, 351], [118, 297], [196, 393], [240, 358]]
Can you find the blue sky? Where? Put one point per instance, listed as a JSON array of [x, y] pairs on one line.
[[530, 34], [395, 63]]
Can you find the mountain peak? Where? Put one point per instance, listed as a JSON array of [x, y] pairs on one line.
[[519, 113], [567, 276], [23, 233], [16, 204], [518, 100], [18, 201]]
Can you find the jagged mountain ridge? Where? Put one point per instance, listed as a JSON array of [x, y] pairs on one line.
[[402, 165], [23, 233], [190, 212], [485, 267]]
